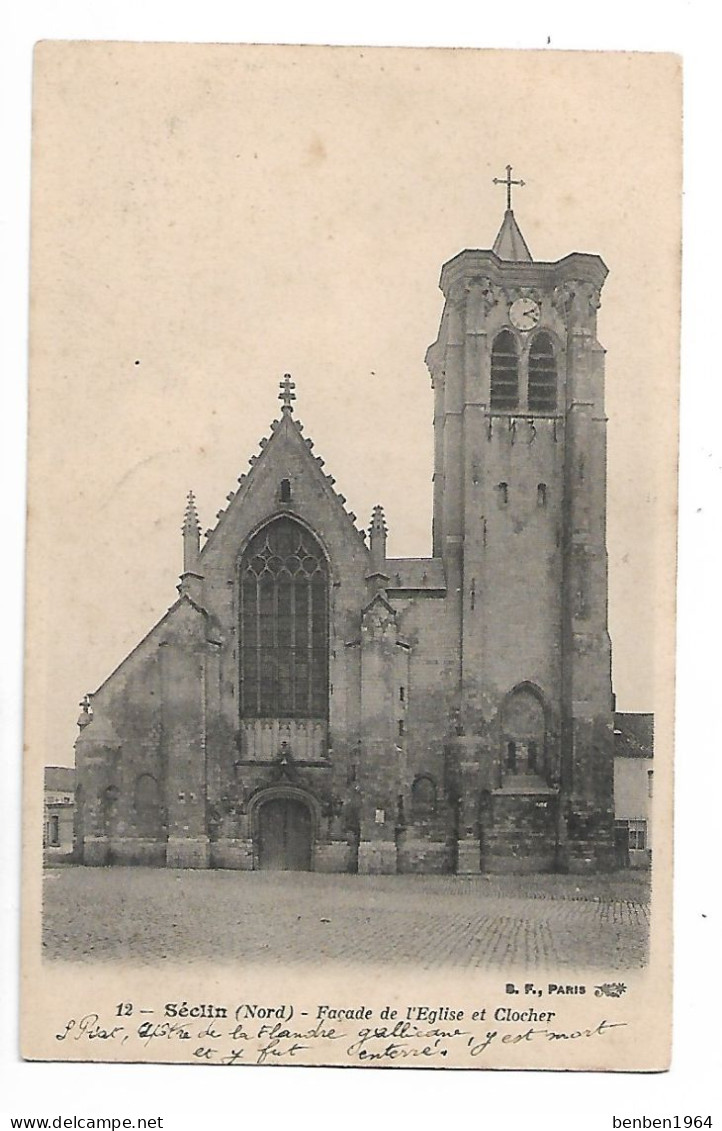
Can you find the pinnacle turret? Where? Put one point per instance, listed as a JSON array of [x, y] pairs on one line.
[[191, 582], [377, 540], [191, 535]]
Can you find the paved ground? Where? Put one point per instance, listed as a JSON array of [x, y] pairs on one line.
[[149, 915]]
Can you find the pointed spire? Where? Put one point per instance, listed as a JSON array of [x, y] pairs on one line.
[[377, 534], [191, 535], [510, 243]]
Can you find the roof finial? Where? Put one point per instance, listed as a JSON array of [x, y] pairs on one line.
[[508, 182], [191, 536], [190, 518], [86, 712], [287, 394]]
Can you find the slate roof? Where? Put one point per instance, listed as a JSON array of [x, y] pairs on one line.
[[633, 735], [510, 243], [415, 573], [60, 778]]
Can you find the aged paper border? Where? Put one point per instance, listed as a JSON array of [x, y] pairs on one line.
[[693, 1021], [646, 1008]]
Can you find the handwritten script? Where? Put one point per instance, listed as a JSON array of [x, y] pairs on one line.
[[249, 1033]]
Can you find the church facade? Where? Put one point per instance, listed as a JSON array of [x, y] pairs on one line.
[[310, 703]]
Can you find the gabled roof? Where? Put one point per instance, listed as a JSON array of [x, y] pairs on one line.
[[379, 598], [633, 735], [510, 243], [285, 430], [183, 599]]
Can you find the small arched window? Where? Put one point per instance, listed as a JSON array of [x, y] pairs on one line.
[[504, 373], [542, 375], [285, 492], [423, 796]]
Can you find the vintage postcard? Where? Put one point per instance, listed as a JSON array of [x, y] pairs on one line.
[[351, 556]]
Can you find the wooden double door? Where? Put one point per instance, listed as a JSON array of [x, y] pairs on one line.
[[284, 836]]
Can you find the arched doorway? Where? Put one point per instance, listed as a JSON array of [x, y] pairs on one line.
[[285, 835]]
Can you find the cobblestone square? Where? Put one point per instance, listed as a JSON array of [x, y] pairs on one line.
[[150, 916]]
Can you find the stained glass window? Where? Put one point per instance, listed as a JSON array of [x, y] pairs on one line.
[[284, 624]]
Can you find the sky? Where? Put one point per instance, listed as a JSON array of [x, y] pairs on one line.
[[207, 218]]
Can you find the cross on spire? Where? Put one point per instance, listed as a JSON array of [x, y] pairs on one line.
[[508, 182], [287, 394]]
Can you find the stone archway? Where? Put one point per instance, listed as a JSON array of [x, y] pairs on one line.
[[284, 825]]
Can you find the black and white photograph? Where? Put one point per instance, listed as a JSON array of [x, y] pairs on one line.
[[351, 555]]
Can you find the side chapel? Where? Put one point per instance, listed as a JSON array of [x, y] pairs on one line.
[[310, 703]]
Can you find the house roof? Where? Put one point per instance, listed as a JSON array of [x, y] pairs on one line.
[[633, 735], [61, 778]]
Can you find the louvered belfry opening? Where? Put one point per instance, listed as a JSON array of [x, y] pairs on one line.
[[284, 624], [542, 375], [504, 373]]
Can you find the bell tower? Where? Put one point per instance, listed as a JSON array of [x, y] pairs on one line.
[[520, 523]]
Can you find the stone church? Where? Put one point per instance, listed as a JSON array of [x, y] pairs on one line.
[[308, 703]]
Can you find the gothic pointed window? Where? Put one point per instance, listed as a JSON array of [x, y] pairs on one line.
[[542, 375], [284, 624], [504, 373]]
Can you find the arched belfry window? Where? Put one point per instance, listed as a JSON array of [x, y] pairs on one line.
[[504, 373], [542, 375], [284, 624]]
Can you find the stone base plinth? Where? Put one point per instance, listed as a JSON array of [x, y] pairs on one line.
[[423, 856], [468, 860], [188, 852], [377, 858], [144, 851], [231, 853], [95, 851], [520, 865], [331, 857], [588, 860]]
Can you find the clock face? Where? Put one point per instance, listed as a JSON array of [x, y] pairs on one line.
[[524, 313]]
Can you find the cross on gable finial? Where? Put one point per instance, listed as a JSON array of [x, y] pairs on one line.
[[287, 394], [508, 182]]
